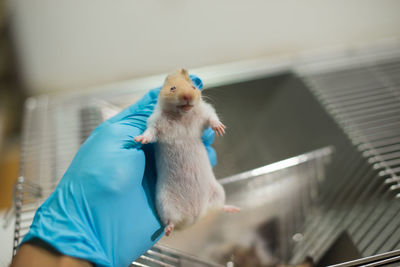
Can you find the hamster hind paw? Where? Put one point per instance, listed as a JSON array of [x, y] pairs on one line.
[[168, 229], [141, 139], [230, 209]]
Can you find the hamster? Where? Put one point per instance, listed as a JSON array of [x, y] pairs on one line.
[[186, 186]]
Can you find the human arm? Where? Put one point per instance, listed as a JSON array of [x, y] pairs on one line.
[[36, 255]]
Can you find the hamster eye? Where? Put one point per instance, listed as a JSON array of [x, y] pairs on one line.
[[173, 88], [193, 87]]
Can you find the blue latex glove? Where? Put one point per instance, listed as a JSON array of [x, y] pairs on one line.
[[103, 208]]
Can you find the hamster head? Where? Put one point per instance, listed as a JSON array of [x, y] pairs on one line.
[[178, 93]]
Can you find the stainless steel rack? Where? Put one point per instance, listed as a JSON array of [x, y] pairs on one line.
[[388, 259], [362, 198], [365, 101]]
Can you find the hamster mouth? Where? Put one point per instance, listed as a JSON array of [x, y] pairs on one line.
[[185, 107]]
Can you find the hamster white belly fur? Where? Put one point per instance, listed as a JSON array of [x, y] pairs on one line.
[[186, 185]]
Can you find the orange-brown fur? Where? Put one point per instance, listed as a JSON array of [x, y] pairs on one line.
[[184, 88]]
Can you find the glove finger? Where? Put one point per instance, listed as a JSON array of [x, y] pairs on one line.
[[212, 155], [208, 136], [196, 81]]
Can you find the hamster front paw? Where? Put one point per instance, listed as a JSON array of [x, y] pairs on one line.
[[142, 139], [218, 127]]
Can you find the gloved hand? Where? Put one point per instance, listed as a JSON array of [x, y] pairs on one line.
[[103, 209]]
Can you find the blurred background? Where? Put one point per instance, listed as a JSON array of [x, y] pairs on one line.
[[53, 47]]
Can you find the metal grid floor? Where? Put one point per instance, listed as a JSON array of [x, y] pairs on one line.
[[362, 191]]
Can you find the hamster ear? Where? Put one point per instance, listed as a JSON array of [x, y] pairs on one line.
[[184, 73]]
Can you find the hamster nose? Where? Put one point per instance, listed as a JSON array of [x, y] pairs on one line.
[[187, 97]]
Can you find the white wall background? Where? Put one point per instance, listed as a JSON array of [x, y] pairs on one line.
[[71, 44]]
